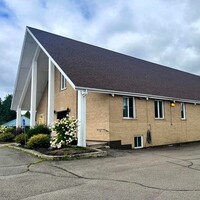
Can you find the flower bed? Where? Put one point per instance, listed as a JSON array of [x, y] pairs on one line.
[[69, 150]]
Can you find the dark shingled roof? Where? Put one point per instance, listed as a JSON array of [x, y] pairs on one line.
[[94, 67]]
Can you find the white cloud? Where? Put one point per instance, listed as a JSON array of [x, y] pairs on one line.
[[166, 32]]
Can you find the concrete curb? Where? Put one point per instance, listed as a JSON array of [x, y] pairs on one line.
[[98, 153]]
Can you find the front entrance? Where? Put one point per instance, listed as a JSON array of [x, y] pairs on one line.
[[63, 114]]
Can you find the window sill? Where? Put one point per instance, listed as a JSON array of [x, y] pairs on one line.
[[183, 119], [138, 147], [159, 118], [63, 89], [129, 118]]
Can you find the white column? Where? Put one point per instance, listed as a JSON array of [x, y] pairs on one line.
[[51, 78], [18, 119], [33, 93], [82, 118]]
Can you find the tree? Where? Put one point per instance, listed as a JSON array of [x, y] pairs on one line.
[[27, 114], [6, 114]]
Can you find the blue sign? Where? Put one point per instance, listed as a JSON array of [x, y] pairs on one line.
[[23, 122]]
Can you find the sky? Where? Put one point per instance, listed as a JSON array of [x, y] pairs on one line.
[[166, 32]]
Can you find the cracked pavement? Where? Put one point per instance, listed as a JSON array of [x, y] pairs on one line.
[[158, 173]]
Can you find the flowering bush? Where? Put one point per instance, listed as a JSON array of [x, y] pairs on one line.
[[3, 129], [65, 130]]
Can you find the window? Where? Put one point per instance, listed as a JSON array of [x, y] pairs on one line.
[[183, 111], [138, 142], [159, 111], [62, 114], [62, 82], [128, 107]]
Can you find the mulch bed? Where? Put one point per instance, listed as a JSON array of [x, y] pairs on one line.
[[69, 150], [65, 151]]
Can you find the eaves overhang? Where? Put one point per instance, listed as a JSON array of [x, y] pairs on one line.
[[24, 66], [30, 44], [146, 96]]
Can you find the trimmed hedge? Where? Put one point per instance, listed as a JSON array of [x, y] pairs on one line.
[[38, 141], [21, 139], [6, 137], [38, 129]]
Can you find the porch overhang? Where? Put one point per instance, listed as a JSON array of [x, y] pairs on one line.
[[22, 91]]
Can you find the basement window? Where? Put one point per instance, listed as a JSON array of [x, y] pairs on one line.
[[62, 82], [138, 142], [128, 107], [183, 111], [159, 109]]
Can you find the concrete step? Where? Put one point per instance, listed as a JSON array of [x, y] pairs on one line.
[[97, 144]]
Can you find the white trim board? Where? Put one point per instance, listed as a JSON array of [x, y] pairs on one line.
[[20, 60], [147, 96]]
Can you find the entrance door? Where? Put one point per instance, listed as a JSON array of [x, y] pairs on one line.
[[62, 114]]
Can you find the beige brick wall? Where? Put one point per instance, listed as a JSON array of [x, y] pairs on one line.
[[192, 124], [97, 117], [171, 129], [63, 99], [125, 129]]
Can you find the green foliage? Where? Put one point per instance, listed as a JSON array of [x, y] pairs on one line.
[[38, 141], [6, 137], [6, 114], [27, 114], [3, 129], [17, 131], [37, 130], [9, 130], [66, 130], [21, 139]]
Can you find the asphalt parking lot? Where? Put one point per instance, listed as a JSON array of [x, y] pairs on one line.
[[159, 173]]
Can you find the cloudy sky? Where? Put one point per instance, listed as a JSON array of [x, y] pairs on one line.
[[162, 31]]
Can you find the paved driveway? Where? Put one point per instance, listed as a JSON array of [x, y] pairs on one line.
[[161, 173]]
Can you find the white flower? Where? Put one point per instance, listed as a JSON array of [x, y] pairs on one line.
[[59, 145]]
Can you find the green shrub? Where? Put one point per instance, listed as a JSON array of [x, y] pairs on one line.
[[17, 131], [3, 129], [6, 137], [9, 130], [21, 139], [37, 130], [38, 141]]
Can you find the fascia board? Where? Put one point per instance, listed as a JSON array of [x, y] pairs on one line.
[[19, 66], [147, 96]]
